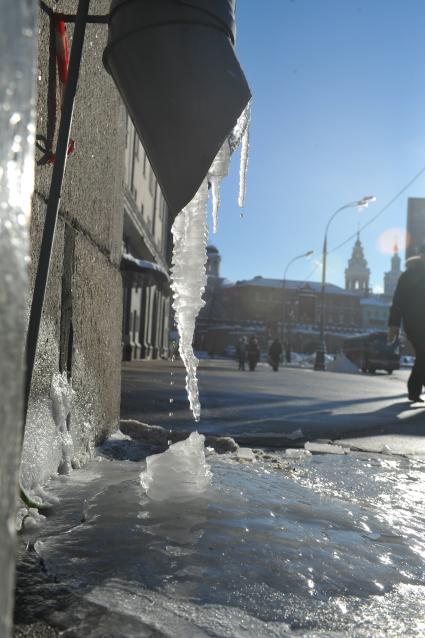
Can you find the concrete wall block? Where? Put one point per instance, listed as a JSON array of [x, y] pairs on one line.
[[92, 190], [97, 315], [92, 210], [47, 359]]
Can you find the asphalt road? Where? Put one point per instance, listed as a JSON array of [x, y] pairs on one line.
[[261, 407]]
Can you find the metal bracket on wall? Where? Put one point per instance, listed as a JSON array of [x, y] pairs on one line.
[[72, 17]]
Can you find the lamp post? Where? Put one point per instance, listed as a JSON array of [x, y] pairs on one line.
[[291, 261], [364, 202]]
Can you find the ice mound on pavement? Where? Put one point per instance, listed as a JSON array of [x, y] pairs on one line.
[[179, 474], [342, 364]]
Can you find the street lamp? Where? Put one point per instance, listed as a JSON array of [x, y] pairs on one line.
[[321, 351], [291, 261]]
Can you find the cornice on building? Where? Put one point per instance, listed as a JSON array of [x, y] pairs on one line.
[[142, 228]]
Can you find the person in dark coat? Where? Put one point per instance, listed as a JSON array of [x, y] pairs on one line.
[[253, 353], [408, 306], [241, 347], [275, 352]]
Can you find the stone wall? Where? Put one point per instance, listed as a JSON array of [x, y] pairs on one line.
[[81, 328]]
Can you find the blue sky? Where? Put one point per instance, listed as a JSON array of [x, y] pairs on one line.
[[338, 113]]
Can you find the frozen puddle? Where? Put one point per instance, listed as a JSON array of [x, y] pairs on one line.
[[327, 546]]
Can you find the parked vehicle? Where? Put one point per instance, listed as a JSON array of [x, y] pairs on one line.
[[372, 352], [230, 351], [407, 361]]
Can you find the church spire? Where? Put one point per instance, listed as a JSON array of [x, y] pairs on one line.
[[357, 273]]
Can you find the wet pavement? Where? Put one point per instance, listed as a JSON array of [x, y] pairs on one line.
[[301, 545], [263, 407], [319, 545]]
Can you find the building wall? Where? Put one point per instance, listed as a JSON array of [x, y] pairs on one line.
[[415, 225], [145, 236], [375, 315], [83, 306], [263, 303]]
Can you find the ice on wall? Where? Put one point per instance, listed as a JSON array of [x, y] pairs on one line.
[[62, 395], [17, 133], [190, 235], [49, 447], [60, 430], [179, 474]]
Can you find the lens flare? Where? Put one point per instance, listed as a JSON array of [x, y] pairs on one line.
[[391, 240]]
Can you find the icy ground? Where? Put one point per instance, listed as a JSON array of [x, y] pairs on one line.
[[316, 546]]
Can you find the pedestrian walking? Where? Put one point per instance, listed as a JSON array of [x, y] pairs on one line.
[[241, 348], [253, 353], [275, 353], [408, 307]]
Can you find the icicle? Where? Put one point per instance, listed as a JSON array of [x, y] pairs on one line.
[[215, 193], [190, 235], [243, 167], [219, 169], [240, 135], [189, 281]]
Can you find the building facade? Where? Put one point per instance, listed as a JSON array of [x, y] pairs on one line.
[[374, 313], [415, 236], [392, 276], [291, 309], [146, 242]]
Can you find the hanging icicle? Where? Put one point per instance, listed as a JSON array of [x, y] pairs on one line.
[[190, 234]]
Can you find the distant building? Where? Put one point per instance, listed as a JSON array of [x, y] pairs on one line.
[[374, 312], [392, 276], [415, 225], [213, 312], [357, 273], [264, 299], [213, 262]]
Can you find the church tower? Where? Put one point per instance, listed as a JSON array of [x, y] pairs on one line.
[[357, 274], [391, 277], [213, 262]]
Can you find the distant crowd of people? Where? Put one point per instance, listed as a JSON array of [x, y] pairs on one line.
[[249, 351]]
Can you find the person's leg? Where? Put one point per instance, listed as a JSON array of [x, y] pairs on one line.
[[417, 376], [420, 364]]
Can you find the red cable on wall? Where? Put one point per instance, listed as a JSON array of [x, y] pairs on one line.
[[62, 59]]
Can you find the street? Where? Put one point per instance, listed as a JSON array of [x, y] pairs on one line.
[[264, 407]]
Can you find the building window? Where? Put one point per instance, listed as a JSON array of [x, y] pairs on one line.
[[134, 324], [144, 162], [151, 180]]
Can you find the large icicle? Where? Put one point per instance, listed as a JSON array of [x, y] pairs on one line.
[[190, 234], [188, 282]]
